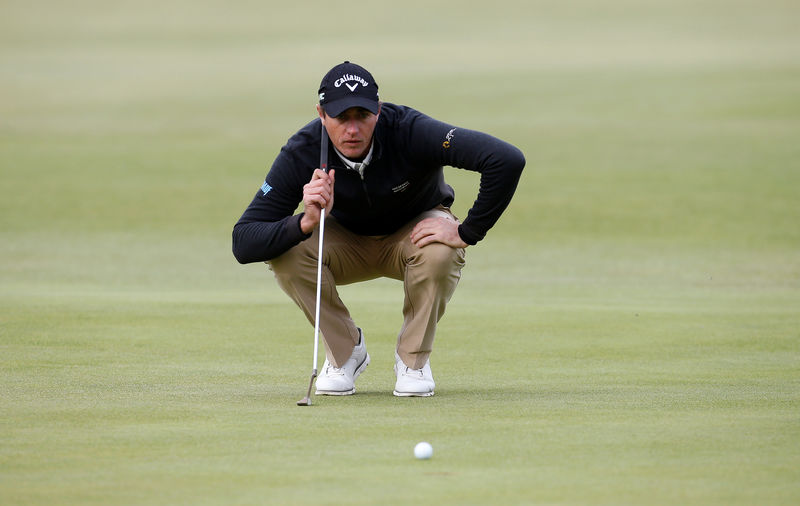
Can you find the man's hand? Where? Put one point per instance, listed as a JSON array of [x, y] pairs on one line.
[[443, 230], [317, 194]]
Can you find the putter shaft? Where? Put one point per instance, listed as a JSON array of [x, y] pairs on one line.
[[323, 165]]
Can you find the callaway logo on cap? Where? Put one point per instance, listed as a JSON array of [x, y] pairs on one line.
[[348, 85]]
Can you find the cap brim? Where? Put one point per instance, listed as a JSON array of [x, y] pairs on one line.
[[337, 107]]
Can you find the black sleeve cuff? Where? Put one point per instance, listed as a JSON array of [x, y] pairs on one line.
[[297, 233], [467, 236]]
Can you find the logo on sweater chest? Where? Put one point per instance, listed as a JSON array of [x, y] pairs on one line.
[[401, 187]]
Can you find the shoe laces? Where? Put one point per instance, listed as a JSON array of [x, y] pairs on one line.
[[411, 372], [331, 370]]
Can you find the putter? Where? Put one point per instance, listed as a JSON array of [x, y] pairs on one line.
[[323, 165]]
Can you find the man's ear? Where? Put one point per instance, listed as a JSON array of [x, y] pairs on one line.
[[321, 112]]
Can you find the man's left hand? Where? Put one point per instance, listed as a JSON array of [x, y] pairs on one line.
[[437, 229]]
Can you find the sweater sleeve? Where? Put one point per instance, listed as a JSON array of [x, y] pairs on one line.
[[268, 228], [499, 163]]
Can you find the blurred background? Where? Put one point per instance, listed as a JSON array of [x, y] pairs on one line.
[[134, 133]]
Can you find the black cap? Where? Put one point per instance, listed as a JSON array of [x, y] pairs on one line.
[[348, 85]]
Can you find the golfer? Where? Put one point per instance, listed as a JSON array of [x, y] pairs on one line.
[[387, 214]]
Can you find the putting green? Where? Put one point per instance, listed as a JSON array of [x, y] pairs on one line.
[[626, 334]]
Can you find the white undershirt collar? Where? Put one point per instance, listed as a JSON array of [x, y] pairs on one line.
[[357, 166]]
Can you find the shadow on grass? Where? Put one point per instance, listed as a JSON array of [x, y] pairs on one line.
[[444, 395]]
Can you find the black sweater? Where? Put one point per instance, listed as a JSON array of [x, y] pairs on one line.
[[404, 179]]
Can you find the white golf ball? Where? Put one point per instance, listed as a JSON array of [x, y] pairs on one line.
[[423, 451]]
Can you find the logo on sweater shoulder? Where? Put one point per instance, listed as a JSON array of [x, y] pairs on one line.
[[265, 188], [448, 138]]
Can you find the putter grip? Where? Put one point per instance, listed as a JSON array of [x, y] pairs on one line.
[[323, 151]]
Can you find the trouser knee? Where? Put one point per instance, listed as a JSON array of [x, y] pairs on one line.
[[294, 266], [438, 261]]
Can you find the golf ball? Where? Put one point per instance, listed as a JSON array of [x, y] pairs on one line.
[[423, 450]]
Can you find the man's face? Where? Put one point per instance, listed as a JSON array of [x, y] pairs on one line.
[[351, 131]]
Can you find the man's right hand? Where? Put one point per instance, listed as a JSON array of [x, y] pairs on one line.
[[317, 194]]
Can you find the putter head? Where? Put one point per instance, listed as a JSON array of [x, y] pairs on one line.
[[306, 401]]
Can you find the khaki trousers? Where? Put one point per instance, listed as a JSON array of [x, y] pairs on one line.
[[429, 274]]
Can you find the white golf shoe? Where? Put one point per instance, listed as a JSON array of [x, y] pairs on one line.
[[341, 380], [413, 382]]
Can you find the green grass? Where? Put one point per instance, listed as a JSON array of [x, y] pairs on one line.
[[627, 333]]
